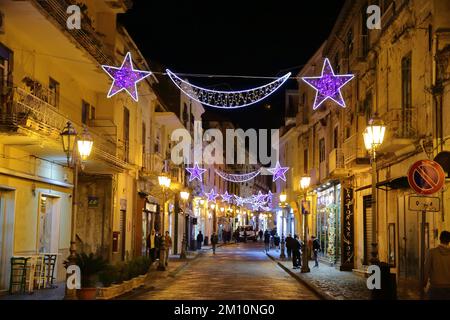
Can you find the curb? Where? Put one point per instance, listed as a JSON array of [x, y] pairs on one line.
[[321, 294]]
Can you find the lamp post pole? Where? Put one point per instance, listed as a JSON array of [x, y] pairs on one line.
[[283, 242], [162, 242], [74, 153], [184, 197], [305, 264], [374, 259], [304, 184]]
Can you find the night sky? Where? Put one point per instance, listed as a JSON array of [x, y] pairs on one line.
[[257, 38]]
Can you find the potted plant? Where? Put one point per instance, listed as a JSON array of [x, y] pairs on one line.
[[90, 266]]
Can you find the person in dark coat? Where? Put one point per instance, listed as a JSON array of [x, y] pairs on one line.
[[261, 234], [276, 241], [289, 245], [199, 240], [214, 241], [296, 252], [245, 235], [267, 241], [316, 249]]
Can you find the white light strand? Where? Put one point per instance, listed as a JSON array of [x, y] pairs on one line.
[[227, 99], [238, 178]]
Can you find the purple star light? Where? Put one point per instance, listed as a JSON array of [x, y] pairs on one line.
[[212, 195], [196, 172], [278, 172], [328, 85], [226, 197], [125, 77], [239, 201]]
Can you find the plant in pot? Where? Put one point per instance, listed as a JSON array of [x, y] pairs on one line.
[[90, 266]]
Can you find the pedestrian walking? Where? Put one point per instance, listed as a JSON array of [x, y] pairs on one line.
[[245, 235], [295, 252], [199, 240], [168, 244], [316, 250], [267, 241], [276, 241], [151, 245], [261, 234], [214, 241], [437, 269], [288, 242], [157, 245]]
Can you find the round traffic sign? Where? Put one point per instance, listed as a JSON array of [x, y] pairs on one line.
[[426, 177]]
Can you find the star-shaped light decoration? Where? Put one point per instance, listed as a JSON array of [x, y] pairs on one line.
[[196, 172], [212, 195], [226, 197], [239, 200], [328, 85], [260, 197], [269, 197], [125, 77], [278, 172]]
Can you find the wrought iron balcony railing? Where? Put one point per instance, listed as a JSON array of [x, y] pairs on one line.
[[87, 37], [353, 148], [401, 123], [31, 112]]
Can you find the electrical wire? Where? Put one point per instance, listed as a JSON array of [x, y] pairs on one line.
[[194, 75]]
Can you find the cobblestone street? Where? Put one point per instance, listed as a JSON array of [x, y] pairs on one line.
[[237, 271]]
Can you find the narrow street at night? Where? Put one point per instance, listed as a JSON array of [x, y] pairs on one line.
[[236, 271]]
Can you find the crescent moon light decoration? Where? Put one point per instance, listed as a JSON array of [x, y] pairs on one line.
[[227, 99], [237, 177]]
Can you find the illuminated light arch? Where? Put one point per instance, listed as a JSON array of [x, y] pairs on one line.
[[227, 99], [233, 177]]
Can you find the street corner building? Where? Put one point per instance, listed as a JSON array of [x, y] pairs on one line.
[[401, 76], [50, 76]]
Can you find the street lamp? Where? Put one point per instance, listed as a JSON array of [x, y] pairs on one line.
[[304, 185], [164, 183], [185, 197], [373, 138], [69, 140], [282, 204]]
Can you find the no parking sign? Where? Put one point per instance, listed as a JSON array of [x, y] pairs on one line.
[[426, 177]]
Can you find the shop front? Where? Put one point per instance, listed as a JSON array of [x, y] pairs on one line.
[[328, 222]]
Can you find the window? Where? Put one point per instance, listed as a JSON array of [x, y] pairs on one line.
[[364, 31], [406, 81], [335, 138], [87, 112], [349, 42], [321, 150], [53, 92], [305, 161], [126, 132], [406, 125]]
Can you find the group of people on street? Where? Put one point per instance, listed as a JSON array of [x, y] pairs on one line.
[[293, 247], [154, 244], [214, 241]]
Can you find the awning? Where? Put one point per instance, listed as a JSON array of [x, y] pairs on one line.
[[397, 183], [443, 158]]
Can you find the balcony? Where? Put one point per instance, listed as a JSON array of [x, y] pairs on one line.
[[31, 120], [401, 129], [354, 151], [152, 164], [87, 37], [336, 163]]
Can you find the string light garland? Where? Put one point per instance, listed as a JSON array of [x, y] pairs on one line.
[[238, 178], [227, 99], [328, 85], [125, 77]]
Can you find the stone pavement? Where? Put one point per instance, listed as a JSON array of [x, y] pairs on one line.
[[332, 284], [327, 281], [57, 293], [236, 271]]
